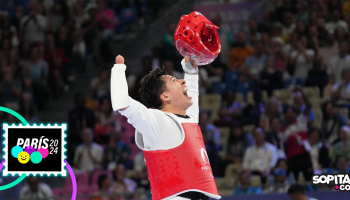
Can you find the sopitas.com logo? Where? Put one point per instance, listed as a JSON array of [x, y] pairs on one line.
[[341, 182]]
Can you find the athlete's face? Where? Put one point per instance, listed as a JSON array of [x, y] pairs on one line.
[[176, 93]]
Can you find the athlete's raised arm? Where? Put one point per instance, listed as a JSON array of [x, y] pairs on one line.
[[191, 78], [143, 119]]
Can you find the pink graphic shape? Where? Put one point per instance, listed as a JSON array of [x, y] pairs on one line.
[[336, 187], [44, 152], [29, 150]]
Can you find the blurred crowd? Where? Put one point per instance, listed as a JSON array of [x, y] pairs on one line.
[[270, 141], [44, 45]]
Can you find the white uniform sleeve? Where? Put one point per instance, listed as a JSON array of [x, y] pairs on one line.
[[119, 87], [192, 84], [146, 121]]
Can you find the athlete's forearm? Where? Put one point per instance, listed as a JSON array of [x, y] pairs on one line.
[[192, 84], [119, 88]]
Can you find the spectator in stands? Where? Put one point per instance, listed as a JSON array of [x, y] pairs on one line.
[[261, 157], [8, 31], [64, 41], [337, 63], [342, 148], [273, 136], [35, 190], [299, 105], [78, 52], [254, 34], [319, 152], [271, 77], [105, 17], [11, 92], [57, 15], [79, 15], [213, 73], [301, 12], [170, 51], [302, 58], [88, 156], [332, 122], [79, 118], [341, 164], [283, 164], [337, 21], [277, 31], [314, 43], [253, 112], [100, 86], [123, 184], [300, 30], [256, 62], [281, 183], [281, 9], [288, 23], [279, 58], [328, 51], [314, 15], [341, 90], [116, 152], [245, 187], [16, 19], [139, 162], [211, 137], [244, 85], [297, 192], [169, 68], [56, 60], [33, 26], [106, 120], [230, 111], [142, 179], [143, 185], [237, 143], [225, 36], [146, 63], [240, 52], [341, 34], [131, 80], [294, 133], [105, 188], [37, 68], [91, 32], [272, 109], [6, 47]]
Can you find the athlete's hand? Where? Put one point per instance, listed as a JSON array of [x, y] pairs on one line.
[[119, 59], [189, 66]]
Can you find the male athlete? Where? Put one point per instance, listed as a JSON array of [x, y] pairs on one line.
[[169, 135]]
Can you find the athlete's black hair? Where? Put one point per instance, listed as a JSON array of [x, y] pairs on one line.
[[151, 87]]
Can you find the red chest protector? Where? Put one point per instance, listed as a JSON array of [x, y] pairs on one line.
[[181, 169]]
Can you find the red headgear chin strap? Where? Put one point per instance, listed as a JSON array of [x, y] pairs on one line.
[[197, 37]]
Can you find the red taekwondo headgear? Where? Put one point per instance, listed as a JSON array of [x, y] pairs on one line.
[[197, 37]]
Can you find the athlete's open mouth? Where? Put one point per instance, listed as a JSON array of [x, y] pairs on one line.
[[185, 91]]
